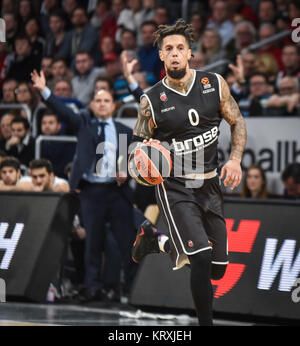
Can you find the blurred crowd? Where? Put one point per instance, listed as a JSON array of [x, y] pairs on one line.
[[80, 47]]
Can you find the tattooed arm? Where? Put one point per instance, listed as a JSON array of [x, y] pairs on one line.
[[144, 126], [231, 113]]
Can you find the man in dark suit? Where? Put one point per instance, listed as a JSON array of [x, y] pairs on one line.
[[105, 195]]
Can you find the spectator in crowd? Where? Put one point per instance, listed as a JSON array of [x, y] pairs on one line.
[[290, 61], [244, 36], [46, 8], [147, 53], [20, 145], [241, 8], [24, 61], [41, 178], [128, 40], [161, 15], [211, 48], [255, 183], [46, 66], [132, 17], [32, 30], [103, 83], [286, 102], [25, 11], [5, 129], [25, 94], [198, 23], [104, 19], [266, 63], [11, 30], [267, 11], [107, 45], [60, 70], [63, 90], [114, 73], [291, 180], [58, 153], [220, 21], [254, 104], [10, 171], [83, 82], [105, 194], [267, 30], [56, 37], [8, 90], [83, 37]]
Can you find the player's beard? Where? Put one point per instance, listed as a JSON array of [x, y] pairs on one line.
[[176, 74]]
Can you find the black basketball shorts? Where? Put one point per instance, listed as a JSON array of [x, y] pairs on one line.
[[195, 219]]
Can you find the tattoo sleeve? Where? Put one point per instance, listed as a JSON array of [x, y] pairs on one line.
[[144, 126], [231, 113]]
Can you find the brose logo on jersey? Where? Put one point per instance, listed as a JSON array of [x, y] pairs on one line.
[[197, 142]]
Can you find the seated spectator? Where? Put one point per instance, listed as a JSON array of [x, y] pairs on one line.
[[287, 101], [244, 36], [25, 60], [60, 70], [267, 11], [5, 129], [291, 62], [128, 40], [107, 45], [83, 82], [267, 30], [10, 171], [211, 48], [161, 15], [58, 153], [291, 180], [41, 178], [147, 53], [27, 95], [254, 104], [12, 29], [56, 38], [46, 66], [220, 21], [20, 145], [239, 8], [33, 31], [45, 9], [198, 23], [8, 91], [132, 17], [255, 183], [104, 19], [25, 11], [266, 63], [83, 37], [103, 83]]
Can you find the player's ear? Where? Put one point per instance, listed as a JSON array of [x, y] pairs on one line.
[[189, 54], [161, 56]]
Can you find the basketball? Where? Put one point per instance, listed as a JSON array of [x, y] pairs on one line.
[[150, 163]]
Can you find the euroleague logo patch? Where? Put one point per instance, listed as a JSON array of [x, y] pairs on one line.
[[206, 85], [204, 81], [163, 97]]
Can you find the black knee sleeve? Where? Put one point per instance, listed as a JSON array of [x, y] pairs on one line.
[[218, 271]]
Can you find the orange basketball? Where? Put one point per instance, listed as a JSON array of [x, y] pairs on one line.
[[150, 163]]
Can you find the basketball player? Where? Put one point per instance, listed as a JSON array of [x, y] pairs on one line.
[[185, 109]]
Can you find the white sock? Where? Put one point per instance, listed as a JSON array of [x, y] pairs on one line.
[[161, 242]]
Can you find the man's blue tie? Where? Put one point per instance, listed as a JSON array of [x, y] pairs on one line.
[[101, 139]]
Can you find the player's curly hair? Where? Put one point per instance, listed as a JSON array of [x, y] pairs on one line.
[[179, 28]]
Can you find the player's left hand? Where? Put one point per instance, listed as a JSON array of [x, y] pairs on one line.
[[232, 173]]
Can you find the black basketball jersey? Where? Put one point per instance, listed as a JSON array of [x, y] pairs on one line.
[[189, 123]]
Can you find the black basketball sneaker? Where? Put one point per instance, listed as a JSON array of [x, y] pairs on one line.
[[146, 241]]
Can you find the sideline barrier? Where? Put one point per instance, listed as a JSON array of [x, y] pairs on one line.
[[262, 278], [34, 227]]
